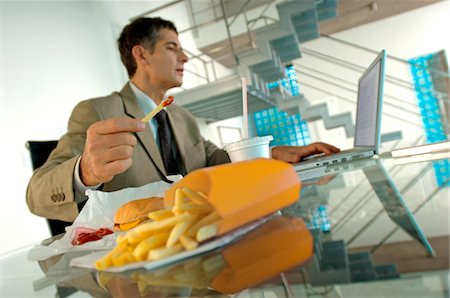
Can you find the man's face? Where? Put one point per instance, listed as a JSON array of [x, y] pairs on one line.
[[166, 63]]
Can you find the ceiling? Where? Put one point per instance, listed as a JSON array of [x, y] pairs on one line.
[[352, 13]]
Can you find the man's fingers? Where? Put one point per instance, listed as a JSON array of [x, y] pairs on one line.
[[116, 125], [119, 153], [118, 166], [107, 171], [287, 153], [117, 139], [329, 147]]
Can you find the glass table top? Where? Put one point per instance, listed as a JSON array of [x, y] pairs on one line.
[[378, 227]]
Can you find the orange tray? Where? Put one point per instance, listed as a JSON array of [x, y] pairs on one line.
[[244, 191]]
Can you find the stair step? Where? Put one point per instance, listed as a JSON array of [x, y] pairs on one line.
[[286, 47], [327, 9]]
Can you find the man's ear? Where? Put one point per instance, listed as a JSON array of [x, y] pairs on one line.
[[139, 52]]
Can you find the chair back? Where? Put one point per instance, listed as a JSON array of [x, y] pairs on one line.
[[39, 152]]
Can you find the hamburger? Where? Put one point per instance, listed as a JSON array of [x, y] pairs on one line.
[[135, 212]]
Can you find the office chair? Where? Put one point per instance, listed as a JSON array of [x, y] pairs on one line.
[[39, 151]]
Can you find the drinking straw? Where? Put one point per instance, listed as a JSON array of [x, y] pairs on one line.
[[244, 107]]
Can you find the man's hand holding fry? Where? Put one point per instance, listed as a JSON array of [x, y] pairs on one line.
[[108, 150]]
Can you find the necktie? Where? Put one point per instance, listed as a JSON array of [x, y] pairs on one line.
[[165, 143]]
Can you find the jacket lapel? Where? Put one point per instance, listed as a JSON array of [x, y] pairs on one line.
[[133, 109]]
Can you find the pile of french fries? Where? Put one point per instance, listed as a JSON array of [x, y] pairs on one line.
[[190, 221]]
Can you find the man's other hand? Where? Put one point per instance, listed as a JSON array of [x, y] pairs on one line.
[[108, 150], [294, 154]]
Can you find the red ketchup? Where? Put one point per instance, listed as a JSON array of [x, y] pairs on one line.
[[168, 101], [83, 235]]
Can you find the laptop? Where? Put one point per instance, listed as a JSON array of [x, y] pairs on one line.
[[392, 201], [368, 119]]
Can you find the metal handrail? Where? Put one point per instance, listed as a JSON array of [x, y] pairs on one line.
[[354, 66], [437, 71], [241, 11], [353, 102], [354, 91], [349, 82]]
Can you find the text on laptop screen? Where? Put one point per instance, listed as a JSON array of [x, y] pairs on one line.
[[366, 115]]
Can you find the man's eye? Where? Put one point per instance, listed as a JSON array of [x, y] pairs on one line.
[[171, 48]]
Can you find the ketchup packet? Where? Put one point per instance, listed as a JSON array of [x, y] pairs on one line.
[[83, 235]]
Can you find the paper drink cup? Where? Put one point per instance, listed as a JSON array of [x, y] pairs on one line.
[[257, 147]]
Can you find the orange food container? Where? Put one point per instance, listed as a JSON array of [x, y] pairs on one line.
[[244, 191], [275, 247]]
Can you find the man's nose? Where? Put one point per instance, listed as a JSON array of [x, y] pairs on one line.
[[183, 57]]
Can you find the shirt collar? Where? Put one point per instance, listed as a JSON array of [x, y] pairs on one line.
[[145, 102]]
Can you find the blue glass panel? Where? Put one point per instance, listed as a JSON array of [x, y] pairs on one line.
[[430, 112]]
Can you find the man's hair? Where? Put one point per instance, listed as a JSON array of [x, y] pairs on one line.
[[142, 31]]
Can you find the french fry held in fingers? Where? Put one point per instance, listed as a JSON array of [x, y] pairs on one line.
[[190, 221], [156, 110]]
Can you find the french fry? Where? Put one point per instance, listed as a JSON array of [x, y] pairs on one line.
[[142, 249], [188, 243], [194, 196], [122, 240], [179, 229], [206, 232], [135, 238], [103, 263], [161, 253], [179, 200], [210, 218], [160, 214], [156, 226], [193, 208], [122, 258]]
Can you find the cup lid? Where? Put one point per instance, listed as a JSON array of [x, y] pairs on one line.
[[249, 142]]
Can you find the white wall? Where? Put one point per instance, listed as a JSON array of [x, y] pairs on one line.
[[54, 54]]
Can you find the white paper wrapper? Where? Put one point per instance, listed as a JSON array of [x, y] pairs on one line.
[[98, 212]]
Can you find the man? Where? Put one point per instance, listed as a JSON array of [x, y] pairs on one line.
[[107, 147]]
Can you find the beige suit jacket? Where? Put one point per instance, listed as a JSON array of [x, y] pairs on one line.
[[50, 192]]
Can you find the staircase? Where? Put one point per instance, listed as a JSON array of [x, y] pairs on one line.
[[274, 46], [299, 104]]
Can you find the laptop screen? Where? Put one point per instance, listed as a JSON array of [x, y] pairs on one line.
[[369, 102]]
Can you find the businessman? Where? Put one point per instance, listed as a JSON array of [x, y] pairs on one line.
[[107, 147]]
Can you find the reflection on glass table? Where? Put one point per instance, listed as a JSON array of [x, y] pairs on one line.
[[371, 220], [258, 258]]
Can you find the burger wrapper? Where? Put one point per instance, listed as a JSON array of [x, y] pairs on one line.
[[244, 191]]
